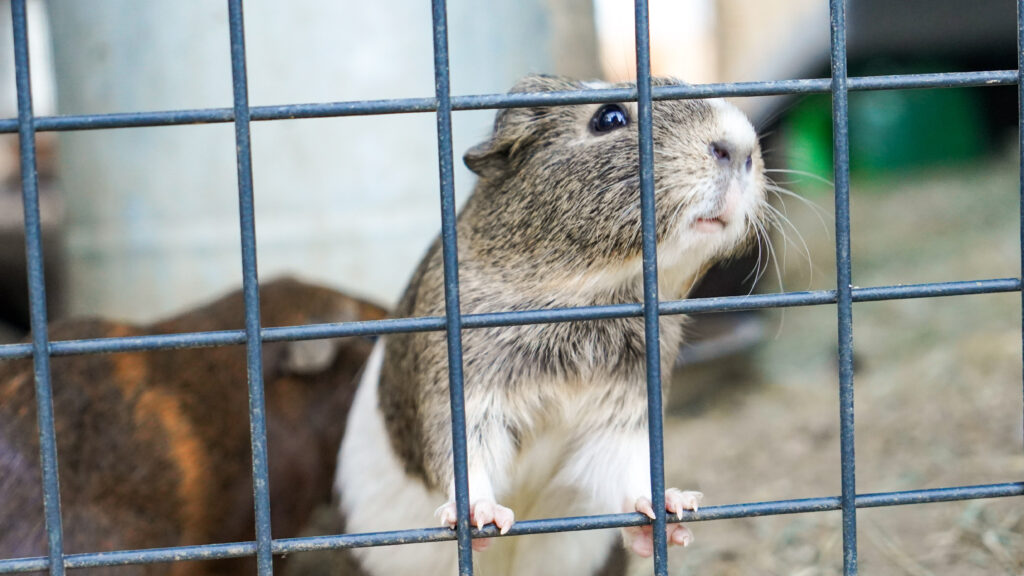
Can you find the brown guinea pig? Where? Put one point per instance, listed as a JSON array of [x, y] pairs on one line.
[[153, 447], [556, 413]]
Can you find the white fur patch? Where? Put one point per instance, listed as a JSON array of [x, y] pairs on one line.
[[543, 489], [734, 125], [377, 495]]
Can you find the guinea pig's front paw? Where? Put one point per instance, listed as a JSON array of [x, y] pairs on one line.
[[640, 539], [481, 513], [676, 501]]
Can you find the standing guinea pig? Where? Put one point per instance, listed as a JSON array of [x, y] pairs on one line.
[[556, 413]]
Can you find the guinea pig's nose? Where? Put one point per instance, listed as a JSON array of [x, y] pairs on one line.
[[721, 152], [726, 153]]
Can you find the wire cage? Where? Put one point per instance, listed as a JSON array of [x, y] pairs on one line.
[[263, 547]]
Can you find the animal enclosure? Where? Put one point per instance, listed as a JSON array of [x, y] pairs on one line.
[[263, 547]]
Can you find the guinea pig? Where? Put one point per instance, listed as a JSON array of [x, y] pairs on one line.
[[153, 447], [556, 414]]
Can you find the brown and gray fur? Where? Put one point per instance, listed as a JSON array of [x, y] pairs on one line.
[[153, 447], [554, 221], [544, 224]]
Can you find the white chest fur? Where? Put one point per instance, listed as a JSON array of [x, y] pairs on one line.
[[377, 495]]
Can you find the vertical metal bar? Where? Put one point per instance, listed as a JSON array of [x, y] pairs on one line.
[[251, 292], [844, 283], [1020, 135], [453, 315], [650, 272], [37, 292]]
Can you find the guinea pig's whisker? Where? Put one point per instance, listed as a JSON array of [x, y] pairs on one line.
[[774, 186], [818, 211], [772, 219], [781, 221], [802, 249], [803, 173], [757, 272], [673, 220], [774, 215], [762, 261], [782, 182], [757, 264], [771, 258], [760, 233], [777, 222]]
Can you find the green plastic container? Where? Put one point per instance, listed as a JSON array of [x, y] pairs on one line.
[[890, 130]]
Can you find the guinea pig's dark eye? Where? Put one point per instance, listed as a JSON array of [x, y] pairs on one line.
[[608, 118]]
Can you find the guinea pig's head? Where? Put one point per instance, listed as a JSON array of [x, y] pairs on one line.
[[559, 190]]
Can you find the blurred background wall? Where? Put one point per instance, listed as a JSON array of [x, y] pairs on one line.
[[142, 220], [348, 202]]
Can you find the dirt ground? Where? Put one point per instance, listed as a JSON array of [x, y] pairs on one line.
[[938, 393]]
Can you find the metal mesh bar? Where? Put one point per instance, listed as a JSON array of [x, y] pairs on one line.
[[491, 101], [652, 341], [251, 292], [37, 293], [453, 315], [398, 537], [492, 319], [1020, 148], [844, 282]]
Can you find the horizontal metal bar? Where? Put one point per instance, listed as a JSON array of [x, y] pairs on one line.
[[492, 319], [936, 80], [126, 557], [316, 543], [492, 101]]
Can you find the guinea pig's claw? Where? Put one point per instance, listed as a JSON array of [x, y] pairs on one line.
[[676, 501], [680, 535], [645, 507], [446, 514], [504, 518], [639, 539], [481, 513]]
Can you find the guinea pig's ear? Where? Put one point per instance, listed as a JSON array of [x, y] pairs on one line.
[[491, 157], [514, 129], [487, 158], [512, 126]]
